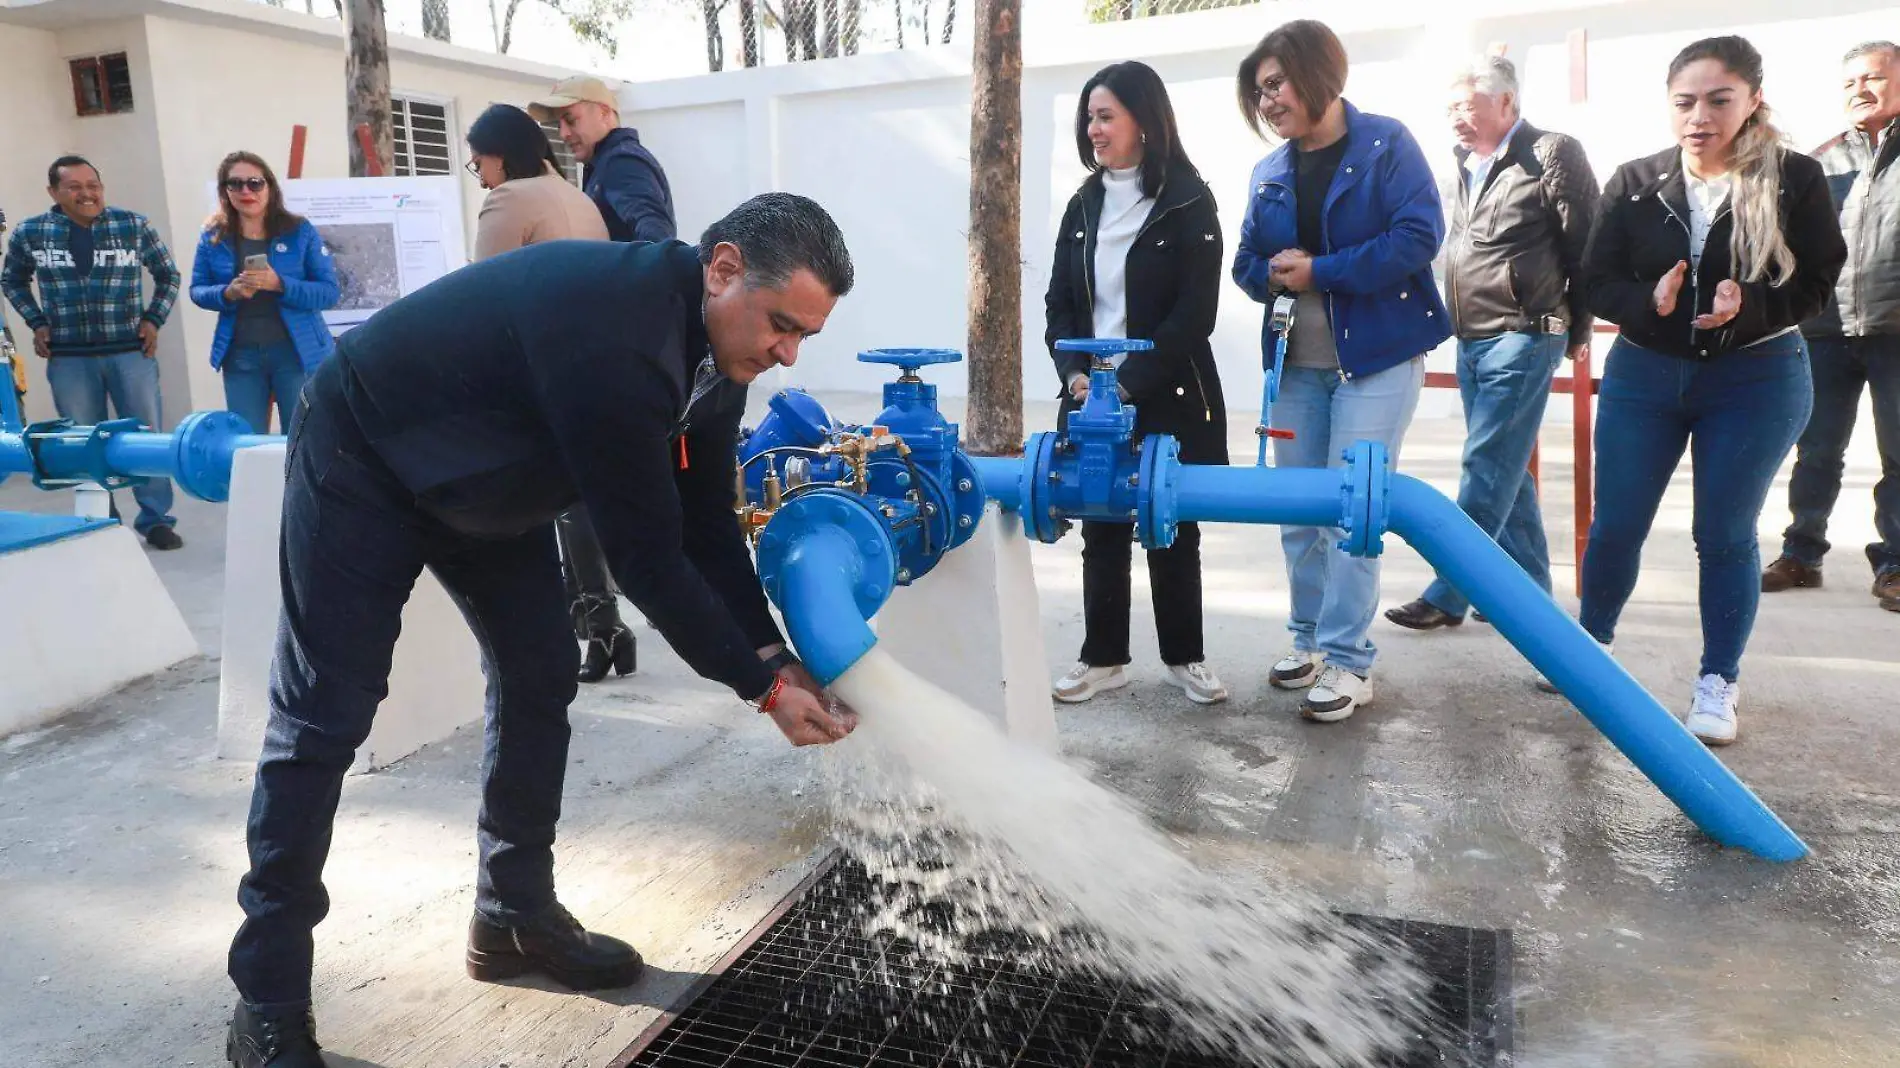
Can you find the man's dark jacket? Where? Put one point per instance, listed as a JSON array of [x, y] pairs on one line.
[[514, 388], [629, 187], [1515, 252]]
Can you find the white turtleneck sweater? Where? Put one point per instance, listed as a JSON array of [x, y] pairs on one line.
[[1124, 209]]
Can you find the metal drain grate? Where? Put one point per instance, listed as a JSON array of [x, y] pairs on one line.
[[807, 989]]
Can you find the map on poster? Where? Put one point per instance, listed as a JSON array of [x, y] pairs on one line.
[[387, 236]]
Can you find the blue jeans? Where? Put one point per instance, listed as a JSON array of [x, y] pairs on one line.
[[1504, 382], [82, 384], [254, 377], [1842, 368], [1738, 415], [1335, 595], [352, 546]]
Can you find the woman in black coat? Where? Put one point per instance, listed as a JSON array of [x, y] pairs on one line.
[[1708, 255], [1139, 255]]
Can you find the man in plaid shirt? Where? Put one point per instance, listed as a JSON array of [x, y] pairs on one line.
[[91, 322]]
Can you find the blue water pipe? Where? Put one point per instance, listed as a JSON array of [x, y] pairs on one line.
[[1142, 482], [849, 513], [197, 455]]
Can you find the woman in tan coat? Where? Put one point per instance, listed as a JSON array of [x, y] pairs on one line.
[[528, 201]]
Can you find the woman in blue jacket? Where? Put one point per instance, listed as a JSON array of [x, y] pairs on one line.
[[1345, 217], [270, 316]]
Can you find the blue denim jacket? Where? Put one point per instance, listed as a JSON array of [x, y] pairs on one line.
[[1382, 226], [310, 288]]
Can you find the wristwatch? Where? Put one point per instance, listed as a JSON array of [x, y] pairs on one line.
[[782, 659]]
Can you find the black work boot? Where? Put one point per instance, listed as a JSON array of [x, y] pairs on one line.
[[1422, 615], [555, 945], [273, 1038]]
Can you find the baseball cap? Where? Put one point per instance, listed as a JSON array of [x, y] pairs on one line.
[[572, 91]]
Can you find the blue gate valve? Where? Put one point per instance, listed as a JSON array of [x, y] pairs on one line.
[[1096, 468]]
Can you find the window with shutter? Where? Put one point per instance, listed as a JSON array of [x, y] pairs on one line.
[[421, 134]]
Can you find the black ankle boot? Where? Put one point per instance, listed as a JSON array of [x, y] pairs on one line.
[[553, 944], [272, 1038], [614, 649]]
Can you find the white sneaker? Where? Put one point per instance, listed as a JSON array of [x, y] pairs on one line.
[[1203, 686], [1712, 713], [1295, 671], [1335, 696], [1085, 682], [1548, 686]]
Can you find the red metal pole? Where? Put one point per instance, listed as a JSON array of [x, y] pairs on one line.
[[1582, 387], [295, 170], [371, 161]]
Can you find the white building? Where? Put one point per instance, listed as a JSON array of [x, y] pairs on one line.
[[881, 140]]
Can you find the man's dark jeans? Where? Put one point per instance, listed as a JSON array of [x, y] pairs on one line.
[[353, 544], [1842, 368]]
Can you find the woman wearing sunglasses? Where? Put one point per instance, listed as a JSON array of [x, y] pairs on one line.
[[269, 278]]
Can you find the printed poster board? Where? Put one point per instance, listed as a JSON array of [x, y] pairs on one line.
[[388, 237]]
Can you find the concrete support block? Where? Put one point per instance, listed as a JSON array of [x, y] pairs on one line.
[[85, 614], [435, 683], [973, 626]]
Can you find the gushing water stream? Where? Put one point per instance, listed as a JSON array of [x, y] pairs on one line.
[[936, 800]]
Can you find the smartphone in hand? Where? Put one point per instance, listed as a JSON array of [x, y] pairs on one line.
[[258, 262]]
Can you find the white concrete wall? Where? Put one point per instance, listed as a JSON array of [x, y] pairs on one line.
[[882, 140]]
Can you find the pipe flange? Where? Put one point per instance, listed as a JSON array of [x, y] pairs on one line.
[[1365, 488], [839, 509], [201, 453], [1157, 510], [1041, 520], [966, 490], [892, 480]]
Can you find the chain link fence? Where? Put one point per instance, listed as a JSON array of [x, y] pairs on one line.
[[753, 33]]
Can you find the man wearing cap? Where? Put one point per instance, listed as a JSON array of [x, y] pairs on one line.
[[628, 186], [617, 171]]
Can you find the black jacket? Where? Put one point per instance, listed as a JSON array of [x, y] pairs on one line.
[[1516, 254], [1173, 279], [1642, 231], [505, 392], [629, 187]]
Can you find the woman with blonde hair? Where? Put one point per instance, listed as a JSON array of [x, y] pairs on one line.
[[1708, 255]]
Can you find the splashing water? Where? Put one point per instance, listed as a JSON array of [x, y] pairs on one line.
[[953, 818]]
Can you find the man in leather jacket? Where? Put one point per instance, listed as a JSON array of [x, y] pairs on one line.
[[1520, 208]]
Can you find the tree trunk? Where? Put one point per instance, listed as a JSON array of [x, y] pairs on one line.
[[949, 19], [366, 73], [435, 20], [507, 25], [749, 31], [715, 41], [994, 425], [831, 29], [899, 5], [853, 18]]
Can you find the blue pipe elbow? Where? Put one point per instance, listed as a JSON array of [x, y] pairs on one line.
[[822, 615], [1660, 747]]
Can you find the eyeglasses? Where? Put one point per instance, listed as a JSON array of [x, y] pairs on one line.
[[1270, 87], [255, 185], [473, 166]]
